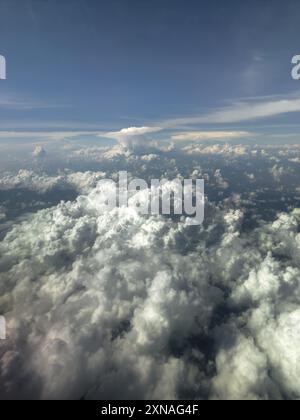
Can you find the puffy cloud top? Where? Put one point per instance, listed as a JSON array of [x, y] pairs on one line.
[[118, 305]]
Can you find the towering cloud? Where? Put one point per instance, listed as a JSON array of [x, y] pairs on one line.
[[132, 137]]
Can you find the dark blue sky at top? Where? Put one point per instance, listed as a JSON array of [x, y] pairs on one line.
[[120, 62]]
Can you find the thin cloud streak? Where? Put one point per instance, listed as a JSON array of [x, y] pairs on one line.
[[209, 135], [14, 103], [243, 111], [239, 112], [45, 135]]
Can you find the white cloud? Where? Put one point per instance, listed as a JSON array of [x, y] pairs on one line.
[[117, 305], [217, 149], [108, 310], [132, 137], [130, 132], [44, 135], [240, 112], [279, 172], [82, 182], [39, 152], [242, 371], [209, 135], [279, 339]]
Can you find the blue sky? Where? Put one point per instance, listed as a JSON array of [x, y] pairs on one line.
[[108, 64]]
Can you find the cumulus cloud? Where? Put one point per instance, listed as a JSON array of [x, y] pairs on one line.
[[82, 182], [130, 132], [279, 172], [295, 160], [220, 180], [125, 312], [132, 137], [241, 371], [217, 149], [39, 152], [119, 305]]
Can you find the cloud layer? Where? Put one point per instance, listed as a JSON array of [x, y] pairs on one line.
[[117, 305]]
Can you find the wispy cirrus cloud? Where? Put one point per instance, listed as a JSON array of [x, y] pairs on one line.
[[44, 135], [242, 111], [123, 136], [245, 110], [209, 135], [13, 102]]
